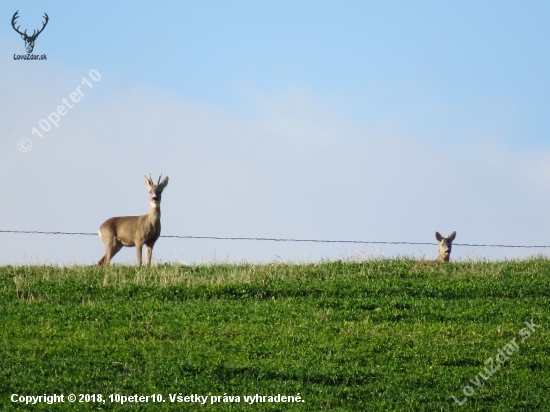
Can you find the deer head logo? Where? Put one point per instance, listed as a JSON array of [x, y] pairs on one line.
[[29, 40]]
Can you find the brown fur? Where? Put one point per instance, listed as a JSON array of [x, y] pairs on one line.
[[444, 256], [445, 246], [137, 231]]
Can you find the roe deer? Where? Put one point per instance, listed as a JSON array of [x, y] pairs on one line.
[[137, 231], [445, 246]]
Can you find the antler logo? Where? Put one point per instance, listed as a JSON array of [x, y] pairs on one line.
[[29, 40]]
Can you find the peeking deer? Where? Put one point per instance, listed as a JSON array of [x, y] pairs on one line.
[[137, 231], [445, 246]]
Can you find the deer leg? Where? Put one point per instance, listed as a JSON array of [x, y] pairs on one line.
[[148, 254], [139, 246], [102, 260], [110, 251], [112, 246], [115, 250]]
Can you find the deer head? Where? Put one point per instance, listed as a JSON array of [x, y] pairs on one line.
[[445, 246], [155, 190], [29, 40]]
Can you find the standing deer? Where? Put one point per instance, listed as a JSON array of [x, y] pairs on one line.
[[134, 230], [445, 246]]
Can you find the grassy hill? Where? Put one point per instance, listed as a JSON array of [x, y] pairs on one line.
[[380, 335]]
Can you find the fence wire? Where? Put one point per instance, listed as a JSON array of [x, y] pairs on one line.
[[269, 239]]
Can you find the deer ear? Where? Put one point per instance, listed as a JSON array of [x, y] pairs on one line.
[[148, 182], [438, 236], [452, 236], [164, 182]]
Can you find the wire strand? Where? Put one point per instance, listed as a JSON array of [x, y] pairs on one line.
[[284, 240]]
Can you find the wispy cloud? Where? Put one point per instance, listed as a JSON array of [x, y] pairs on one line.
[[298, 168]]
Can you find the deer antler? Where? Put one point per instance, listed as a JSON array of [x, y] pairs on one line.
[[150, 178], [34, 33], [158, 183], [15, 16], [43, 26]]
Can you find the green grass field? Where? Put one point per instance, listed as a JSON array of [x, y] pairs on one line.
[[380, 335]]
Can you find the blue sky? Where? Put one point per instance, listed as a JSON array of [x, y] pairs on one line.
[[337, 120]]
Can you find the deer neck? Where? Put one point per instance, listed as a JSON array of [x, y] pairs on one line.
[[154, 213]]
